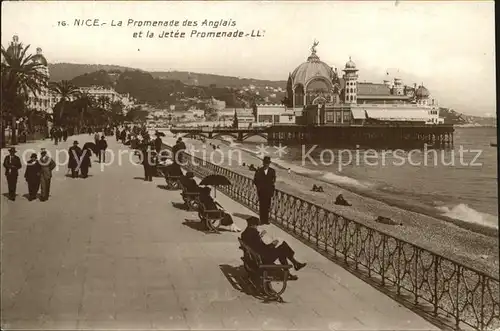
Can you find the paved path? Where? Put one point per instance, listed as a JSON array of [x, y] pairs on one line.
[[112, 252]]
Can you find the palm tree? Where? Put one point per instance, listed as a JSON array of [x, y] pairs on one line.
[[84, 103], [66, 92], [20, 76]]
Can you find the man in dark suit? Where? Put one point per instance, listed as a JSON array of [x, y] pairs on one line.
[[32, 176], [264, 180], [75, 154], [102, 145], [12, 164], [269, 252]]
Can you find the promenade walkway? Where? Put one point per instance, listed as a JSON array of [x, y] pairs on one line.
[[113, 252]]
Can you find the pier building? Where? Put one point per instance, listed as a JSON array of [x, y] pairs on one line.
[[318, 94]]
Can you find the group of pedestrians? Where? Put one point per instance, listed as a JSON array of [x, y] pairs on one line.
[[38, 174], [79, 160]]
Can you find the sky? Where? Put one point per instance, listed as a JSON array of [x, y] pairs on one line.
[[448, 46]]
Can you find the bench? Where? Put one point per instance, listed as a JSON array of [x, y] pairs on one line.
[[264, 275], [173, 182], [211, 218]]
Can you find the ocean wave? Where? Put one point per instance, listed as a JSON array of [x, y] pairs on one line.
[[465, 213], [344, 180]]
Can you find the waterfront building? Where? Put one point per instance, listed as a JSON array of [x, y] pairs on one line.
[[271, 113], [318, 95]]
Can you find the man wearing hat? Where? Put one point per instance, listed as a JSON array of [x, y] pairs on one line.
[[12, 164], [32, 176], [47, 165], [272, 251], [75, 154], [177, 151], [264, 180]]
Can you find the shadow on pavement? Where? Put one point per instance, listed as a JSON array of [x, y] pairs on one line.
[[181, 206], [165, 187], [238, 278], [195, 225], [141, 178], [242, 216]]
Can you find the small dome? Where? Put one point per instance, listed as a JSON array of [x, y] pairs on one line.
[[39, 58], [422, 92], [350, 64]]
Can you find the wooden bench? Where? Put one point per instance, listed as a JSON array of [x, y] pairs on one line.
[[211, 218], [264, 275]]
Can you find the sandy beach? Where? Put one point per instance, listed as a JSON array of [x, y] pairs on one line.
[[473, 249]]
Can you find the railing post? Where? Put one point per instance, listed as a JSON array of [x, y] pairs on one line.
[[457, 294], [415, 274], [483, 284], [384, 238], [436, 280], [356, 233], [398, 271], [345, 240]]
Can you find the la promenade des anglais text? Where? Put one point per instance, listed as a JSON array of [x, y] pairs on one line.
[[223, 28]]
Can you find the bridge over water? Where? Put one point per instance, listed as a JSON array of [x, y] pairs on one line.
[[240, 134]]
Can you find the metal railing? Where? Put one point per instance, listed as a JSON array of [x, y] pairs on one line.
[[433, 283]]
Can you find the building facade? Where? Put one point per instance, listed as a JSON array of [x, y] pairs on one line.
[[41, 100], [318, 95]]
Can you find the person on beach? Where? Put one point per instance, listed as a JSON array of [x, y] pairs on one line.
[[12, 164], [75, 154], [264, 180], [102, 145], [269, 252], [32, 175], [47, 165]]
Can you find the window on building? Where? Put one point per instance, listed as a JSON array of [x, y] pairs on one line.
[[338, 117], [347, 117], [276, 119], [329, 116]]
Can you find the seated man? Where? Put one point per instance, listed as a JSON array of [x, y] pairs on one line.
[[210, 204], [189, 183], [269, 252], [173, 170]]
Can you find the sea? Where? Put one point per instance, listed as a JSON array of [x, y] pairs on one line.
[[459, 183]]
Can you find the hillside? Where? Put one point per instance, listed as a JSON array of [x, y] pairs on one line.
[[452, 117], [68, 71], [192, 78]]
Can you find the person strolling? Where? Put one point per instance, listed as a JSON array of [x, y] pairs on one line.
[[12, 164], [75, 154], [269, 252], [85, 161], [102, 145], [149, 163], [264, 180], [47, 165], [32, 175]]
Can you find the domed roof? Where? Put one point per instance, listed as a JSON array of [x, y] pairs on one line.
[[350, 64], [312, 68], [422, 92], [39, 58]]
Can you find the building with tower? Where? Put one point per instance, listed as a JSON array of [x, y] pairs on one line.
[[318, 95], [40, 101]]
